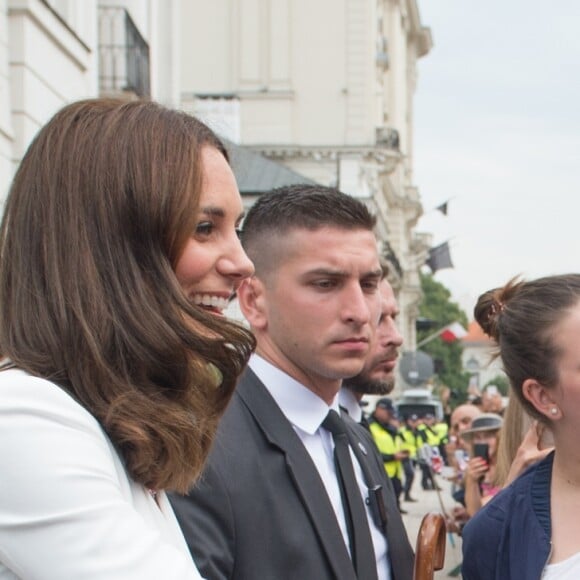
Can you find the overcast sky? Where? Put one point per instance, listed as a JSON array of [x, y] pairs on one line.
[[497, 132]]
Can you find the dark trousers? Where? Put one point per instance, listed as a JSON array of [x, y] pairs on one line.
[[427, 481], [409, 469], [398, 488]]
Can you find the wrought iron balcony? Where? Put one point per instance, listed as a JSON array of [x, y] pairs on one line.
[[123, 54]]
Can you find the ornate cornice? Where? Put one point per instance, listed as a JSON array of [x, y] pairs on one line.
[[380, 155]]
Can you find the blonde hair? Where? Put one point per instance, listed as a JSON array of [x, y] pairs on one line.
[[515, 424]]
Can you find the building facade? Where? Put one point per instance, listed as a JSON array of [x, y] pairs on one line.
[[53, 52], [478, 358], [325, 88]]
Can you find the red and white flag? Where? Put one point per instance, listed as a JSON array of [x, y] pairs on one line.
[[453, 332]]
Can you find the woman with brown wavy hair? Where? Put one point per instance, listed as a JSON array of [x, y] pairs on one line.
[[118, 252]]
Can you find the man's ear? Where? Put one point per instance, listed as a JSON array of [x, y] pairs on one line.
[[252, 301], [541, 398]]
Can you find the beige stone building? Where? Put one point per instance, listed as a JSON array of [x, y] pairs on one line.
[[478, 358], [53, 52], [325, 88], [322, 88]]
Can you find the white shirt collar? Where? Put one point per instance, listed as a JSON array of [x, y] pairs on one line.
[[300, 405], [348, 400]]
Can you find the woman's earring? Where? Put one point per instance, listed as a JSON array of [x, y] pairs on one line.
[[554, 410]]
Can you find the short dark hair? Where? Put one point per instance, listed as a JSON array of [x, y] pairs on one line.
[[521, 317], [302, 206]]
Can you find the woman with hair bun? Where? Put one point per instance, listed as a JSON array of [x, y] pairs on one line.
[[119, 250], [531, 529]]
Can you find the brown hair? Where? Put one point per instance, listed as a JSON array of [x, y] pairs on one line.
[[301, 206], [97, 216], [520, 317]]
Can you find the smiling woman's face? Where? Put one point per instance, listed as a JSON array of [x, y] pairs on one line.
[[213, 264]]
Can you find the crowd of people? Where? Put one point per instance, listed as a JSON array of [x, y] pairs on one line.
[[145, 435]]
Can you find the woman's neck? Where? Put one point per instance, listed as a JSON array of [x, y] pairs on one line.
[[566, 471]]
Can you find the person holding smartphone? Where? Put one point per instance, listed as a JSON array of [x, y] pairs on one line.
[[482, 439]]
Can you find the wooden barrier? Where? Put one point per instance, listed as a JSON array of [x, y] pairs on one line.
[[430, 548]]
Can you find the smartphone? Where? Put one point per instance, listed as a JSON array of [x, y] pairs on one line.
[[481, 450]]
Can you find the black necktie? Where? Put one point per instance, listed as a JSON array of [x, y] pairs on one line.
[[361, 545]]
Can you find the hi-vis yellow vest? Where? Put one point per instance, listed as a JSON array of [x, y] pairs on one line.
[[410, 443], [388, 445], [442, 430], [430, 435]]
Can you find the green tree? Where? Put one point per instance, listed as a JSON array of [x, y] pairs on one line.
[[438, 306]]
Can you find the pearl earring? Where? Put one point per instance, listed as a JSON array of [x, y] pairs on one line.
[[554, 410]]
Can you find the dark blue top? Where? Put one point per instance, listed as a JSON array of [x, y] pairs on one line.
[[509, 538]]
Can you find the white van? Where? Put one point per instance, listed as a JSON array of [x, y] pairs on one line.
[[418, 402]]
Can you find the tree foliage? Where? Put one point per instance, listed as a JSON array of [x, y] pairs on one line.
[[438, 307]]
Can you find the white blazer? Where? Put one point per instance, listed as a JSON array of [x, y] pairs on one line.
[[68, 509]]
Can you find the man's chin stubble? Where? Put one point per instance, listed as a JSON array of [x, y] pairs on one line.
[[367, 386]]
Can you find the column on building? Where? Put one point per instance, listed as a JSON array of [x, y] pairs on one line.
[[6, 129]]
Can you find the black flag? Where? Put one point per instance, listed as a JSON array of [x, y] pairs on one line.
[[439, 257], [442, 208]]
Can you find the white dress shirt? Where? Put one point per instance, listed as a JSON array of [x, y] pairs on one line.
[[306, 411], [68, 509], [347, 400]]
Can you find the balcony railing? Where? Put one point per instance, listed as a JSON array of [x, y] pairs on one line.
[[123, 54]]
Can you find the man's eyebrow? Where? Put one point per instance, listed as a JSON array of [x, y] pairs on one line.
[[342, 273], [374, 274], [327, 272]]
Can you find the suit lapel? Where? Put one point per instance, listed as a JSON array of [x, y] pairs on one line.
[[280, 433], [401, 556]]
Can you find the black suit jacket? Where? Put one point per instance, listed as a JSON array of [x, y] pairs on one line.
[[260, 510]]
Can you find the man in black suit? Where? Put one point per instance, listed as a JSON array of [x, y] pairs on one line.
[[268, 506]]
